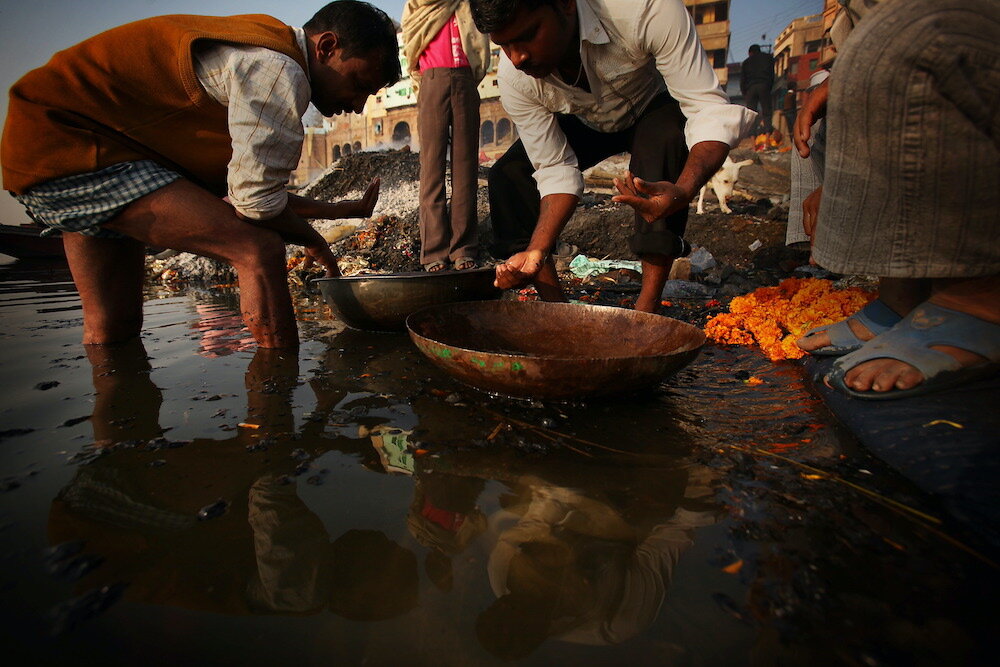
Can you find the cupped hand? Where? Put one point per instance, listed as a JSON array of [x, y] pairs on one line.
[[652, 201], [520, 269]]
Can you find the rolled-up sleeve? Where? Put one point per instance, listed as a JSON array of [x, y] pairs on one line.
[[557, 170], [268, 96], [668, 32]]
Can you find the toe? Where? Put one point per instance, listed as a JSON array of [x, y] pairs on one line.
[[813, 341]]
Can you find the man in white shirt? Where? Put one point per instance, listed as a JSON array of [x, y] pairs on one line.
[[587, 79]]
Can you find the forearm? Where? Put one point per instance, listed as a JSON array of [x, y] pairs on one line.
[[703, 161], [291, 227], [311, 208], [556, 210]]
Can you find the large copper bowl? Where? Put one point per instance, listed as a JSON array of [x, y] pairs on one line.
[[553, 350], [381, 302]]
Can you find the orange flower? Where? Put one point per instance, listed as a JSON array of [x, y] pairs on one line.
[[775, 317]]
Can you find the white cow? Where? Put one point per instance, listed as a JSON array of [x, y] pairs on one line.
[[722, 183]]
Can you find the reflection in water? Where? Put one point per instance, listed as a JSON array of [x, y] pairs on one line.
[[268, 553], [579, 550], [569, 566], [222, 331]]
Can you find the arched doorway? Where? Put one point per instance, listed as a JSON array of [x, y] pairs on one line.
[[347, 149], [503, 129], [336, 152], [357, 146], [401, 133], [486, 133]]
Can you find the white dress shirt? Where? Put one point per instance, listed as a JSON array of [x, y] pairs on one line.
[[632, 50], [267, 93]]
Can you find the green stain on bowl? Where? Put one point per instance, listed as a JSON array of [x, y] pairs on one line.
[[479, 362], [517, 366], [443, 352]]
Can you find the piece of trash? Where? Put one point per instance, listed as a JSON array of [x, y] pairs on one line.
[[216, 509], [753, 381], [67, 615], [733, 568], [812, 476], [685, 289], [944, 421], [583, 267], [756, 244], [246, 425], [701, 260], [43, 386]]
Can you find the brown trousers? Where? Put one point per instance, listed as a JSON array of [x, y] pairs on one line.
[[448, 100]]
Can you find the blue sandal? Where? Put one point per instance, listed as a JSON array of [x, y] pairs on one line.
[[876, 317], [910, 342]]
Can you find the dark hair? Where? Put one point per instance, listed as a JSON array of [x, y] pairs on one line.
[[492, 15], [755, 48], [363, 30]]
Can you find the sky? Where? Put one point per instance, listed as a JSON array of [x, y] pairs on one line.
[[32, 30]]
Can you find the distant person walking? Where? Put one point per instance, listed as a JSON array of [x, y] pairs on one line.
[[447, 58], [756, 81]]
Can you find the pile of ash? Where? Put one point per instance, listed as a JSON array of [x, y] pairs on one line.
[[353, 173]]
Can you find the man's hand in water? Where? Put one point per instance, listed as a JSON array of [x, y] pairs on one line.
[[652, 201], [520, 269]]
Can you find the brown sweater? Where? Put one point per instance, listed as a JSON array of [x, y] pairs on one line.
[[130, 93]]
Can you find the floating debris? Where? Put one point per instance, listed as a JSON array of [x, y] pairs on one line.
[[216, 509]]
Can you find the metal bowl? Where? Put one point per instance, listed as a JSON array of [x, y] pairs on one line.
[[381, 302], [553, 350]]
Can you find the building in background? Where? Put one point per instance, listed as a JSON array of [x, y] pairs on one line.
[[798, 50], [390, 116], [711, 17]]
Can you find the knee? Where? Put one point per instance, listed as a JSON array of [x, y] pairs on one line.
[[263, 249]]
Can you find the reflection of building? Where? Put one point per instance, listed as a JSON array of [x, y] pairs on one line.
[[797, 50], [712, 20], [390, 117]]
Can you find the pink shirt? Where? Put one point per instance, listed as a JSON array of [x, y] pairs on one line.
[[445, 50]]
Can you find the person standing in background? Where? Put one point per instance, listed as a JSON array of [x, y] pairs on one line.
[[756, 81], [447, 58]]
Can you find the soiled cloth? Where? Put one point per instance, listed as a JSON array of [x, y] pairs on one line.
[[913, 156]]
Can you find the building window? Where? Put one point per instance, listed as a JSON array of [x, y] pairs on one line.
[[716, 11], [717, 58], [378, 128], [794, 68], [486, 133], [813, 63]]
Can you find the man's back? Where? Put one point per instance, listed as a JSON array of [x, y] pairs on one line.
[[758, 68]]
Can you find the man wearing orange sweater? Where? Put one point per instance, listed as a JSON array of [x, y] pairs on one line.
[[181, 132]]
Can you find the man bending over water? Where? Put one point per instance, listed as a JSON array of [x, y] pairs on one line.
[[134, 136]]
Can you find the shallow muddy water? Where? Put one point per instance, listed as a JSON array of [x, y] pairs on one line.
[[190, 498]]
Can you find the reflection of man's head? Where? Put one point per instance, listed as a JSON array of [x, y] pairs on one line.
[[555, 570], [443, 515]]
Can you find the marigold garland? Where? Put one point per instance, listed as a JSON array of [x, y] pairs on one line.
[[775, 317]]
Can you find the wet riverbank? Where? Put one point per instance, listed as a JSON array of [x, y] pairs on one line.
[[194, 498]]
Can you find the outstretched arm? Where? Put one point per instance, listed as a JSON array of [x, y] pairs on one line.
[[349, 208]]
